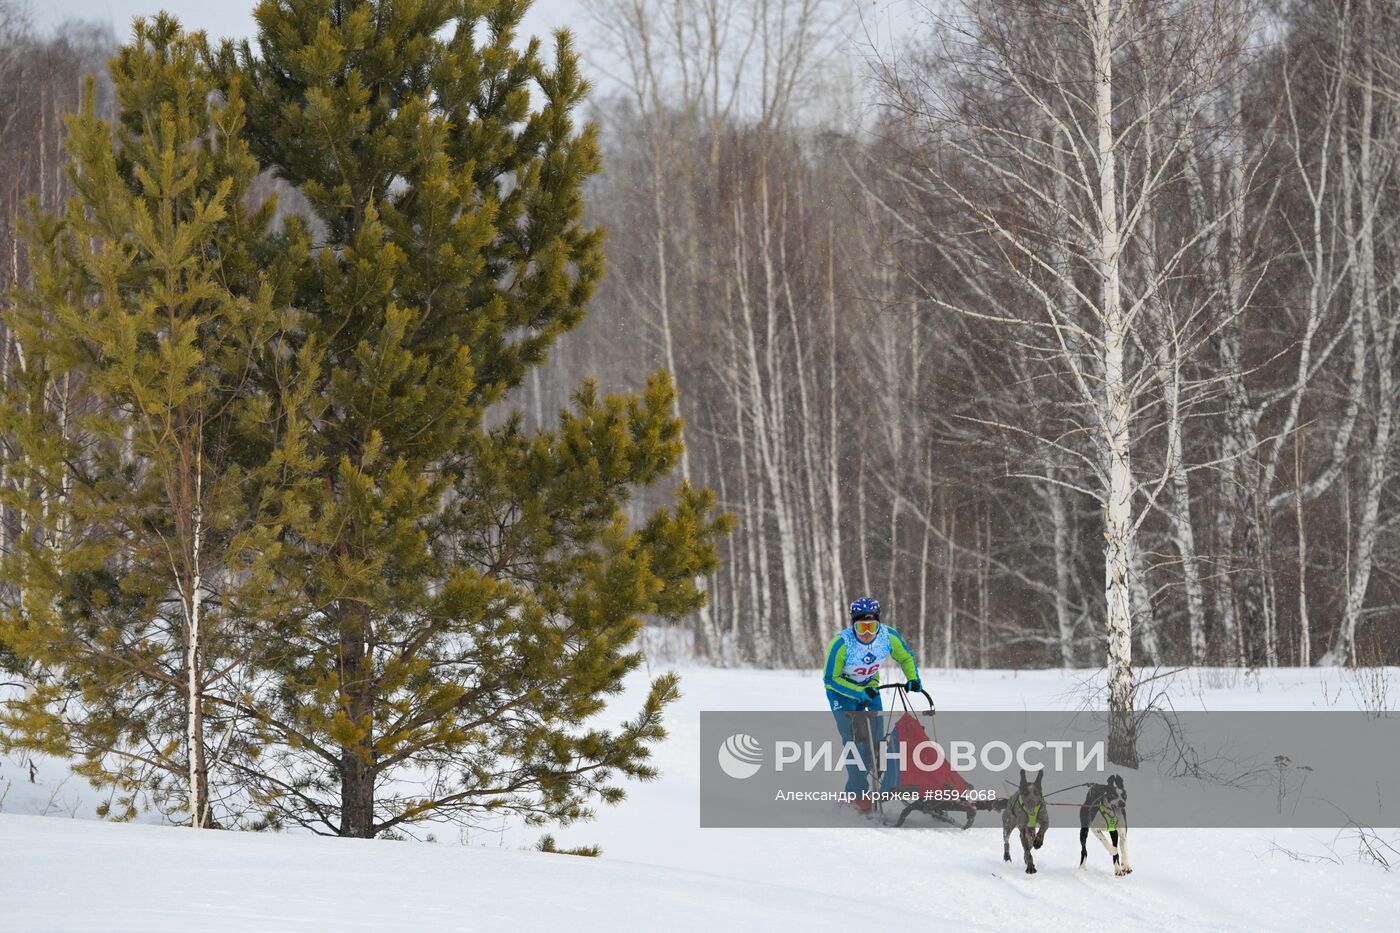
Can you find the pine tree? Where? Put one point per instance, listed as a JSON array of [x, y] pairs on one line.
[[468, 593], [147, 522]]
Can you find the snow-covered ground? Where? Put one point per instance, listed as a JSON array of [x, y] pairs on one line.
[[76, 875], [660, 870]]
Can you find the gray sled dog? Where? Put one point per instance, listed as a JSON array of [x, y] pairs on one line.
[[1106, 804], [1025, 811]]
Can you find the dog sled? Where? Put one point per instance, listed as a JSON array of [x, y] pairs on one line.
[[927, 786], [935, 788]]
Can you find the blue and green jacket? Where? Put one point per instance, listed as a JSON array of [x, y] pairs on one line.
[[852, 666]]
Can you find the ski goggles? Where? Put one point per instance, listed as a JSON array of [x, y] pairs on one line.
[[867, 626]]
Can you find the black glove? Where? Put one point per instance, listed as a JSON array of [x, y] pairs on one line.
[[872, 692], [862, 706], [914, 686]]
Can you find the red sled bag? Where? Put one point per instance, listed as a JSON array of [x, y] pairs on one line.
[[939, 790], [911, 734]]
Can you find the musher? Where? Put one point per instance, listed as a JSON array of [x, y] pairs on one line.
[[852, 681]]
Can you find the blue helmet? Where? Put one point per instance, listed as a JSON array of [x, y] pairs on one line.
[[865, 606]]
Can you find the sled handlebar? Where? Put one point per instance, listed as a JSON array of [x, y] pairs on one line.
[[902, 687]]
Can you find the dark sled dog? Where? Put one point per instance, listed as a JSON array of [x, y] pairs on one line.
[[1107, 805], [1025, 811]]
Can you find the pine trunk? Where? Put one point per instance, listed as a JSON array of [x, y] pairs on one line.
[[357, 757]]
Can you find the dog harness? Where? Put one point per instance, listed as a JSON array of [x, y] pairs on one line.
[[1031, 815], [1111, 821]]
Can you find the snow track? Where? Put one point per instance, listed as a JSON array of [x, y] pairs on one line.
[[660, 871]]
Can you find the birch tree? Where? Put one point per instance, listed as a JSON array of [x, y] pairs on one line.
[[711, 90], [1369, 155], [1058, 185]]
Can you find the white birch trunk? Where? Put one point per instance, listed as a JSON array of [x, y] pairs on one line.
[[923, 588], [1382, 331], [860, 517], [1179, 508], [1064, 623], [1304, 627], [1118, 507], [765, 443], [193, 599], [709, 631], [950, 532], [836, 576]]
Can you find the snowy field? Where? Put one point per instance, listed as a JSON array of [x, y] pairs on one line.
[[660, 870]]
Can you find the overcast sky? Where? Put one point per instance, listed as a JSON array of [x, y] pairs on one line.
[[883, 21], [221, 18]]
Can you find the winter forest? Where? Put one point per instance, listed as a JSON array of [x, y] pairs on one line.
[[1065, 329], [1043, 286], [1029, 289]]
